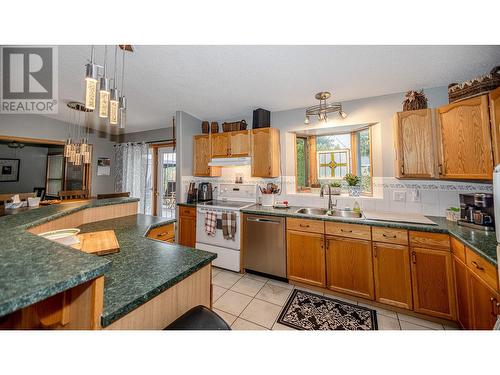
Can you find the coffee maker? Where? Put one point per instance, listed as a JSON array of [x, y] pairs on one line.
[[205, 192], [192, 194], [477, 211]]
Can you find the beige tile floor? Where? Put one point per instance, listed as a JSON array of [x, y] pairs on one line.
[[251, 302]]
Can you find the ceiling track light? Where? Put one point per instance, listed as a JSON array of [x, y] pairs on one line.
[[323, 109]]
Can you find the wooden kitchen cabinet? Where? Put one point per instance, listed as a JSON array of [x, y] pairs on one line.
[[349, 266], [239, 143], [391, 270], [265, 151], [484, 302], [464, 136], [230, 144], [201, 157], [187, 226], [462, 293], [494, 97], [306, 257], [164, 233], [415, 144], [432, 282], [220, 143]]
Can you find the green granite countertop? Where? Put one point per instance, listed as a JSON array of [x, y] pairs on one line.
[[144, 267], [484, 243], [33, 268]]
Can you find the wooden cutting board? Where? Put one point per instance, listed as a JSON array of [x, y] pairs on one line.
[[98, 243]]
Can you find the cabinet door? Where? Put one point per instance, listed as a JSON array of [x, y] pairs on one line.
[[415, 140], [240, 143], [462, 293], [201, 157], [349, 266], [187, 231], [495, 123], [306, 257], [432, 279], [391, 269], [220, 145], [464, 132], [265, 152], [485, 303]]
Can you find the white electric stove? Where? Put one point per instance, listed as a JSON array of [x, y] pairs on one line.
[[231, 198]]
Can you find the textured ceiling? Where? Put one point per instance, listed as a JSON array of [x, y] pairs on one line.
[[223, 82]]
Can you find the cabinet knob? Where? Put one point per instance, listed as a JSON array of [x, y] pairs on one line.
[[475, 264], [402, 169], [304, 225], [413, 257], [440, 169]]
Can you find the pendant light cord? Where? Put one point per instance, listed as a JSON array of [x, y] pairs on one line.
[[123, 69]]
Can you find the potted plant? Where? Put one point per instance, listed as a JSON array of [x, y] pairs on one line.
[[336, 187], [315, 187], [353, 182]]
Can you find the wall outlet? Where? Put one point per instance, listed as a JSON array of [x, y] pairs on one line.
[[399, 196], [415, 196]]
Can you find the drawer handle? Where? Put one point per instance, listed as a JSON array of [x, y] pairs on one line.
[[161, 234], [304, 225], [493, 305], [345, 231], [414, 257], [480, 268], [387, 236]]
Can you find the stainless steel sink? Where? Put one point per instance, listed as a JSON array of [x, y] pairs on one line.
[[311, 211], [337, 212], [345, 213]]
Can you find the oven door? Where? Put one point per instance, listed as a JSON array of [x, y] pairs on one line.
[[218, 239]]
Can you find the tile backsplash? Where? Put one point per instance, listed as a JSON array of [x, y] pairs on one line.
[[428, 197]]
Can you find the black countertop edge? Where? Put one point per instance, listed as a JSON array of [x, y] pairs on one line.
[[485, 243], [108, 319]]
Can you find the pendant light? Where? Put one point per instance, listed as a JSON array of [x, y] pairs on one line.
[[91, 82], [123, 99], [104, 90], [114, 103]]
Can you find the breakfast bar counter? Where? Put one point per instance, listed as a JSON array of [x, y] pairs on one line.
[[46, 282]]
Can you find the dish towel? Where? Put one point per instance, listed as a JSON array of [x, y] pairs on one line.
[[210, 223], [229, 225]]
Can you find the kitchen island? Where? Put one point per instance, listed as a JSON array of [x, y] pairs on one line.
[[47, 285]]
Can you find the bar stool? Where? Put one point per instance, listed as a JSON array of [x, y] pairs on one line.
[[199, 318]]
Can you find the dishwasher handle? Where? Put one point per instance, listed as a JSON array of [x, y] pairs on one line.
[[260, 220]]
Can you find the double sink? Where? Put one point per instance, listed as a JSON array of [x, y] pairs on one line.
[[336, 212]]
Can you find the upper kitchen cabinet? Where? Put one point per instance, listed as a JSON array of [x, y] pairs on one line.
[[415, 144], [230, 144], [265, 152], [201, 157], [494, 97], [465, 140]]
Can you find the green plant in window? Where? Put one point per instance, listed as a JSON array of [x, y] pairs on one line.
[[336, 184], [352, 179]]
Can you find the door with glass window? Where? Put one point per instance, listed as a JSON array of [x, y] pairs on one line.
[[166, 179]]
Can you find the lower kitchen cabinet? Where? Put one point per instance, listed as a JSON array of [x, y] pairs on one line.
[[485, 303], [187, 226], [306, 257], [462, 293], [349, 266], [391, 270], [432, 279]]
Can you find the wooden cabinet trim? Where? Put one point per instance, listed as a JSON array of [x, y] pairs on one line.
[[390, 235], [458, 249], [494, 104], [305, 225], [437, 241], [482, 268], [348, 230]]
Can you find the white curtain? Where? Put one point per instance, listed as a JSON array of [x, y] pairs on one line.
[[133, 172]]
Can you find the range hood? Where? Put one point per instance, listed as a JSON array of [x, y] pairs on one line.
[[229, 162]]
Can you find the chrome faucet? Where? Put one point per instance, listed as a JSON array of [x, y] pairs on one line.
[[331, 204]]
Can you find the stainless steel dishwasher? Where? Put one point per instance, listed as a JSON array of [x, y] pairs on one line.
[[264, 247]]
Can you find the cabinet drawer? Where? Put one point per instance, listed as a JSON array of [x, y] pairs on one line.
[[481, 267], [458, 249], [390, 235], [187, 211], [438, 241], [348, 230], [305, 225], [162, 233]]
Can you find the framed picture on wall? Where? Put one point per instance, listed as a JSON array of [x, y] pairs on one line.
[[9, 170]]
